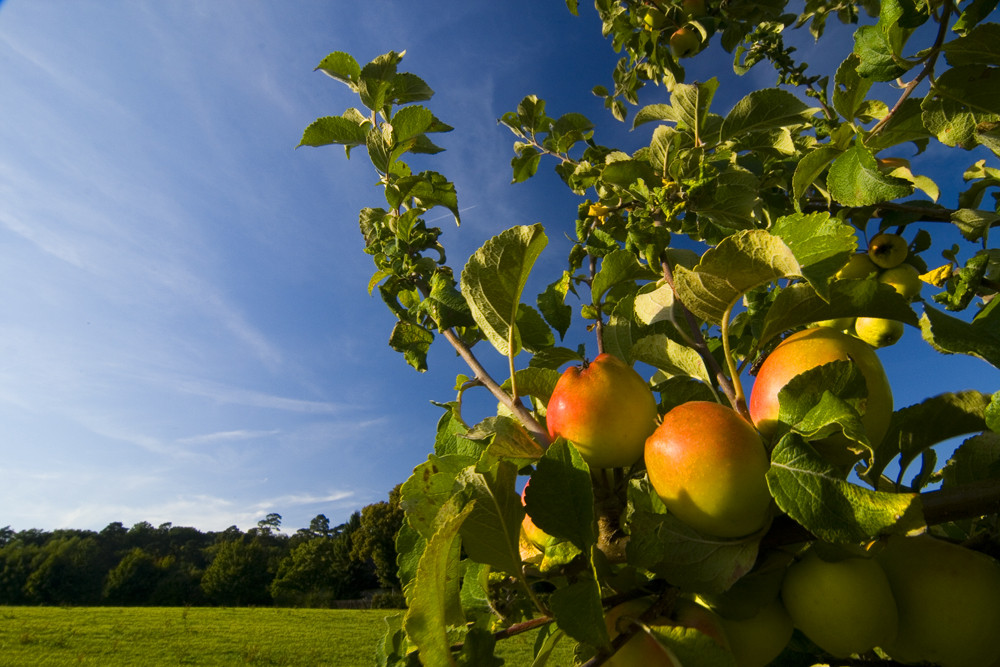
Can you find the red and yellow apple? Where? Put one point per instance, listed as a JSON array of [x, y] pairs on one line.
[[844, 606], [808, 349], [605, 409], [948, 599], [708, 464]]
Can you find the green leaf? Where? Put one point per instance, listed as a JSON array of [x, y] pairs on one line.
[[981, 46], [731, 201], [950, 335], [445, 304], [553, 306], [810, 168], [342, 67], [560, 497], [413, 341], [655, 112], [406, 88], [739, 263], [494, 278], [506, 437], [491, 531], [670, 357], [334, 130], [449, 438], [850, 88], [624, 173], [578, 612], [618, 267], [663, 544], [879, 47], [435, 603], [992, 413], [976, 460], [429, 488], [855, 180], [765, 109], [798, 305], [961, 99], [375, 80], [821, 245], [691, 103], [916, 428], [814, 494], [536, 381], [906, 124]]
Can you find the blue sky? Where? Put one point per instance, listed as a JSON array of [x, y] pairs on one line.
[[185, 329]]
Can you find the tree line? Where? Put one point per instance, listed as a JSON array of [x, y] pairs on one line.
[[172, 565]]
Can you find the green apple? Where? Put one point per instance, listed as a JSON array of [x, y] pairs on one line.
[[708, 464], [843, 606], [756, 641], [858, 266], [838, 324], [904, 278], [605, 409], [878, 331], [949, 602], [655, 19], [808, 349], [643, 650], [685, 42], [887, 250]]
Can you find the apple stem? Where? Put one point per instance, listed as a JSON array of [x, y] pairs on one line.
[[738, 398]]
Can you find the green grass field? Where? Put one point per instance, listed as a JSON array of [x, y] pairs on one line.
[[134, 636]]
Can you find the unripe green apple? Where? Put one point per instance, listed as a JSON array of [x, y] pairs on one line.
[[685, 42], [878, 331], [756, 641], [858, 266], [843, 606], [655, 19], [808, 349], [642, 650], [708, 464], [837, 324], [948, 599], [904, 278], [887, 250], [605, 409]]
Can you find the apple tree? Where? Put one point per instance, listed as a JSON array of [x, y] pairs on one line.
[[784, 228]]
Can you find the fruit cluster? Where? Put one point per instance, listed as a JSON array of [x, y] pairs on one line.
[[912, 599], [886, 261]]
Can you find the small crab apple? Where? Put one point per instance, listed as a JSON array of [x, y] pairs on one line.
[[878, 331], [708, 465], [904, 278], [858, 266], [887, 250], [605, 409], [808, 349]]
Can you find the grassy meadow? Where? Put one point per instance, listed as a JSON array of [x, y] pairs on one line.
[[136, 636]]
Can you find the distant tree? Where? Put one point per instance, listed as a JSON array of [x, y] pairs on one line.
[[16, 560], [376, 538], [66, 570], [6, 535], [133, 580], [239, 574]]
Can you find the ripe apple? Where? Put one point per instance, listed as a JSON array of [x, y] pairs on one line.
[[756, 641], [878, 331], [858, 266], [887, 250], [605, 409], [905, 278], [843, 606], [949, 602], [685, 42], [642, 650], [708, 464], [811, 348]]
